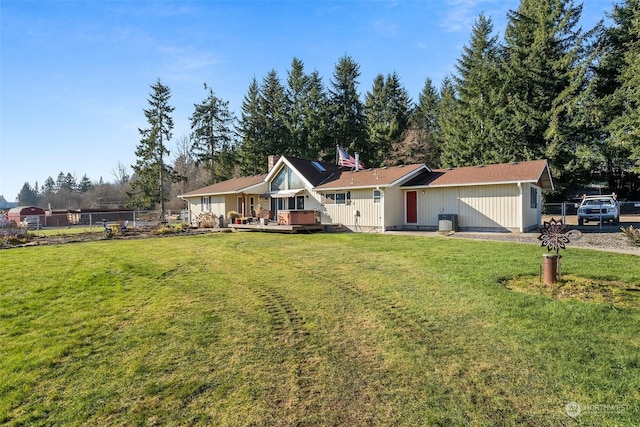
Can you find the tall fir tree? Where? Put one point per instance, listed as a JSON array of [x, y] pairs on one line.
[[387, 110], [317, 120], [543, 75], [448, 124], [152, 173], [252, 151], [474, 138], [49, 186], [85, 184], [212, 134], [377, 121], [27, 195], [347, 111], [307, 113], [296, 99], [420, 143], [273, 110], [624, 129]]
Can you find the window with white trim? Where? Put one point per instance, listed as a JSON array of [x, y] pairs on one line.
[[534, 198], [206, 203], [337, 198], [286, 179], [377, 196]]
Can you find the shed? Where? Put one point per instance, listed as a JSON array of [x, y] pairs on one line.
[[21, 213]]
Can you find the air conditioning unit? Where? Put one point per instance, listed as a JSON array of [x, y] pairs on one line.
[[447, 222]]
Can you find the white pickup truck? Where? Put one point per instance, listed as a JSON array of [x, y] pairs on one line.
[[603, 208]]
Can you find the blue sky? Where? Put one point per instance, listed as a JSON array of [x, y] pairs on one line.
[[75, 75]]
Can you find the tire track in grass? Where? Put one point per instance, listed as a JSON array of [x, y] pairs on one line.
[[289, 330], [419, 331]]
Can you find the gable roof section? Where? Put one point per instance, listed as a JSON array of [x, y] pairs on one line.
[[307, 171], [371, 178], [535, 171], [230, 186]]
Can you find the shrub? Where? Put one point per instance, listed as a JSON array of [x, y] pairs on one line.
[[632, 235], [207, 220], [166, 229], [15, 239]]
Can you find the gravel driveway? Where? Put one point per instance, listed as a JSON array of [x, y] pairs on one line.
[[611, 241]]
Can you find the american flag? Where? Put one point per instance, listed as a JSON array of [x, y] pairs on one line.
[[346, 160]]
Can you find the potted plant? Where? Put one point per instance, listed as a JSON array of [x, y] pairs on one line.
[[233, 217]]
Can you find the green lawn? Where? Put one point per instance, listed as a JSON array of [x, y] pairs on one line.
[[322, 329]]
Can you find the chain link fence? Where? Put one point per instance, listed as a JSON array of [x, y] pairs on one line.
[[93, 219]]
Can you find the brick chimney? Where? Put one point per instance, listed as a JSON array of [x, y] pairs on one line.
[[272, 159]]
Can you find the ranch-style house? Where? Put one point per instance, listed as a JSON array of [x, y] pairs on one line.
[[498, 197]]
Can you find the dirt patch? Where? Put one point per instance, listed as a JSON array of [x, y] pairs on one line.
[[616, 293], [61, 239]]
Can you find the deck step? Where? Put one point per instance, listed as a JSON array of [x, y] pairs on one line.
[[334, 228]]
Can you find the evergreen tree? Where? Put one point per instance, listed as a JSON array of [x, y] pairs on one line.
[[273, 109], [151, 172], [421, 141], [85, 184], [600, 156], [347, 111], [387, 109], [543, 76], [49, 186], [212, 133], [60, 181], [27, 195], [252, 152], [316, 121], [452, 154], [297, 98], [624, 129], [70, 183], [378, 121], [307, 114], [474, 138]]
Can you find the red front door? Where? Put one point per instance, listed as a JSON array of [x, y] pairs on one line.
[[412, 207]]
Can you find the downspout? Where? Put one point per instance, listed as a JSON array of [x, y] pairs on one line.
[[382, 225], [520, 207]]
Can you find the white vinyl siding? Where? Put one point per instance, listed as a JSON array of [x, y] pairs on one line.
[[361, 200], [477, 207]]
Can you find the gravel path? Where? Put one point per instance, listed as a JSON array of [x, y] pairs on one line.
[[611, 242]]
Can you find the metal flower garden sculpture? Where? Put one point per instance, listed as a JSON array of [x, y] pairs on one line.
[[554, 235]]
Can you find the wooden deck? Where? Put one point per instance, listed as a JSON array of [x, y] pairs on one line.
[[276, 228]]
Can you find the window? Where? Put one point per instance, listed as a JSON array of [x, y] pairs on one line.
[[300, 202], [534, 198], [286, 179], [337, 198], [251, 205], [294, 181], [377, 196], [206, 204], [279, 181]]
